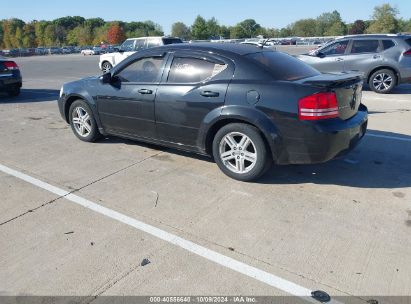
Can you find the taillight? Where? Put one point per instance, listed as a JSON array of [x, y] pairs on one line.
[[407, 53], [11, 65], [318, 106]]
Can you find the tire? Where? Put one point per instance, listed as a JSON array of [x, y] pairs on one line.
[[246, 157], [14, 92], [82, 121], [106, 67], [383, 81]]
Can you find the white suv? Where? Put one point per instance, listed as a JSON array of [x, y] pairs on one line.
[[130, 46]]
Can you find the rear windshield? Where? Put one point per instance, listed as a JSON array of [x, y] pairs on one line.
[[282, 66], [408, 41], [171, 40]]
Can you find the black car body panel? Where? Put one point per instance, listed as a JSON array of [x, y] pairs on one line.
[[186, 115], [9, 79]]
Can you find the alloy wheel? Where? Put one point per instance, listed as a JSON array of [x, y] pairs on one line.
[[106, 67], [382, 82], [238, 152], [81, 121]]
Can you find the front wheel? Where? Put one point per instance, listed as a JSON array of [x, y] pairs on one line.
[[106, 67], [240, 152], [82, 121], [383, 81]]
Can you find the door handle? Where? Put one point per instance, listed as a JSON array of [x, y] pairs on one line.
[[145, 91], [376, 56], [209, 94], [339, 59]]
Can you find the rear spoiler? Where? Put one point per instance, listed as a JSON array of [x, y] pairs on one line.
[[333, 80]]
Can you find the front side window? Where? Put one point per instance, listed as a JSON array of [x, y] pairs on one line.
[[140, 44], [337, 48], [192, 70], [127, 45], [145, 70], [364, 46]]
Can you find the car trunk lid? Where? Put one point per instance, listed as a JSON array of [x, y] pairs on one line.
[[347, 87]]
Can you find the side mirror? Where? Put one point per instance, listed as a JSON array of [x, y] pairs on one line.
[[320, 54], [106, 78]]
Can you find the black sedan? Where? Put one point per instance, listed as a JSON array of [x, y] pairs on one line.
[[10, 77], [243, 105]]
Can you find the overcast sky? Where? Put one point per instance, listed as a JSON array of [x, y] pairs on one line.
[[274, 13]]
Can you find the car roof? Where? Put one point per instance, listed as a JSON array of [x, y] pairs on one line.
[[152, 37], [234, 48], [374, 36]]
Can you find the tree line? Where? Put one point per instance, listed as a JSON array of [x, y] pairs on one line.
[[383, 20], [78, 31]]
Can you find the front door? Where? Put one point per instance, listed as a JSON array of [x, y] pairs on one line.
[[126, 105], [330, 58]]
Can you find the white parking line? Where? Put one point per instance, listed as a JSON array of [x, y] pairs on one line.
[[250, 271], [389, 137]]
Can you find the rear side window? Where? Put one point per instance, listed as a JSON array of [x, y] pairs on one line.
[[387, 44], [364, 46], [153, 42], [282, 66], [192, 70], [140, 44], [171, 41]]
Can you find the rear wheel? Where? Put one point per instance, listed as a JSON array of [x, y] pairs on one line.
[[240, 152], [383, 81], [82, 121], [106, 67]]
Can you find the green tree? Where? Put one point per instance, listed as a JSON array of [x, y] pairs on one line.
[[250, 27], [199, 29], [179, 29], [224, 31], [384, 19], [213, 27], [29, 35], [326, 21], [39, 31], [304, 28]]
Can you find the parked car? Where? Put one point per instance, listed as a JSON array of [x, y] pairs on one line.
[[88, 51], [130, 46], [384, 60], [54, 50], [243, 105], [10, 77]]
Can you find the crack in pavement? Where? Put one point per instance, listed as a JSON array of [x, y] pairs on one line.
[[80, 188]]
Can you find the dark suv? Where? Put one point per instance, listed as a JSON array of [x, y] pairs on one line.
[[384, 60]]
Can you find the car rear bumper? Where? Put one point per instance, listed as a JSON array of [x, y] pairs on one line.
[[322, 141], [10, 82]]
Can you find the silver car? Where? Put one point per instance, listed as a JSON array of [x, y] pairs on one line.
[[384, 60]]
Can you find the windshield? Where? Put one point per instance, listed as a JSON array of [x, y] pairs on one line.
[[282, 66]]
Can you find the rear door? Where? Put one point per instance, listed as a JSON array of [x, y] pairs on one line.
[[364, 55], [195, 85]]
